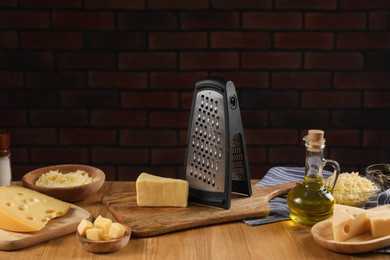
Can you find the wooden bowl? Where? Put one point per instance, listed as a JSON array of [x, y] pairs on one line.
[[107, 246], [69, 194]]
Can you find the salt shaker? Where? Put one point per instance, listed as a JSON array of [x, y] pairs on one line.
[[5, 162]]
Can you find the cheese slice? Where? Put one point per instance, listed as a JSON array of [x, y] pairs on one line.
[[25, 210], [348, 222], [156, 191]]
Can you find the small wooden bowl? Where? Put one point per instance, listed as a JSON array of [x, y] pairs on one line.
[[107, 246], [69, 194]]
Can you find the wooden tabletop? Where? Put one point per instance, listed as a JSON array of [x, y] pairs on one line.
[[281, 240]]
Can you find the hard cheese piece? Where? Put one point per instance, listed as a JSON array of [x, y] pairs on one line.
[[94, 234], [116, 230], [25, 210], [380, 225], [155, 191], [348, 222], [83, 226], [103, 223]]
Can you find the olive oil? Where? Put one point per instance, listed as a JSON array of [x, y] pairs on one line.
[[310, 202]]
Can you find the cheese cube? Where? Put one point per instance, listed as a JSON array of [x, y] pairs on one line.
[[348, 222], [380, 225], [94, 234], [83, 226], [25, 210], [155, 191], [103, 223], [116, 230]]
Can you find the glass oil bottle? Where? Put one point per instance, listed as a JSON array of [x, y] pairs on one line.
[[310, 202]]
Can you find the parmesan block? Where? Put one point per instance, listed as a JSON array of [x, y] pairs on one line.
[[25, 210], [83, 226], [94, 234], [117, 230], [348, 222], [103, 223], [380, 225], [155, 191]]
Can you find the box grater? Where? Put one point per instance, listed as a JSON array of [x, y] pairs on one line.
[[215, 161]]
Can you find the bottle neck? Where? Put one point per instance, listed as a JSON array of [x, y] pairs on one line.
[[5, 152]]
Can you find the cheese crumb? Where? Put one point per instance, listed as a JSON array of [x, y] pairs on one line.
[[58, 179]]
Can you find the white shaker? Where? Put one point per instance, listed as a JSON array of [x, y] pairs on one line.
[[5, 161]]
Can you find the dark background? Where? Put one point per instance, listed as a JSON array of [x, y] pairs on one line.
[[109, 83]]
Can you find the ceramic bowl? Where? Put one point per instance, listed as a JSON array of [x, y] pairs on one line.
[[381, 173], [106, 246], [69, 194]]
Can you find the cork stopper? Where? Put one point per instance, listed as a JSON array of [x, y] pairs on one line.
[[315, 140], [4, 144]]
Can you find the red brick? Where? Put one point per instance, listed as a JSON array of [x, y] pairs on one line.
[[11, 79], [169, 119], [116, 79], [8, 3], [86, 60], [147, 21], [59, 117], [257, 171], [271, 60], [76, 136], [376, 138], [24, 19], [361, 80], [26, 60], [147, 60], [9, 40], [177, 40], [243, 4], [331, 99], [363, 40], [342, 137], [371, 4], [245, 79], [301, 80], [109, 171], [186, 100], [114, 40], [303, 40], [51, 40], [150, 138], [254, 118], [28, 98], [334, 61], [59, 155], [12, 117], [271, 137], [118, 118], [269, 99], [209, 60], [299, 118], [89, 98], [33, 136], [377, 99], [379, 60], [42, 4], [306, 4], [284, 155], [357, 118], [119, 155], [115, 4], [335, 21], [132, 99], [167, 156], [82, 20], [55, 79], [131, 173], [209, 20], [240, 40], [257, 154], [356, 157], [379, 20], [178, 4], [175, 80], [272, 20], [18, 155]]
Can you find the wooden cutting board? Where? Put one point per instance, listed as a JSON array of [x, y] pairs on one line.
[[151, 221], [55, 228]]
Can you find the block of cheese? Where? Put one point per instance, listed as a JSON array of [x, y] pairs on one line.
[[25, 210], [348, 222], [156, 191], [103, 223], [94, 234], [117, 230], [83, 226], [380, 225]]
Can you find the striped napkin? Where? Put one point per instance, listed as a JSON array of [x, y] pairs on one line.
[[278, 205]]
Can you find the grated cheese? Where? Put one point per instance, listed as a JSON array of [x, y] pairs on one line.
[[58, 179], [352, 189]]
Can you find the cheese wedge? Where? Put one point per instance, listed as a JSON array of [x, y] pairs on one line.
[[380, 225], [25, 210], [155, 191], [348, 222]]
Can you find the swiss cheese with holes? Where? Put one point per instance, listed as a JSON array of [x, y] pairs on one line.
[[25, 210]]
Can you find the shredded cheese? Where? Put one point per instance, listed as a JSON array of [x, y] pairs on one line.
[[58, 179], [352, 189]]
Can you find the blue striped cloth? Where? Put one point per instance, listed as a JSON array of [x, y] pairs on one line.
[[278, 205]]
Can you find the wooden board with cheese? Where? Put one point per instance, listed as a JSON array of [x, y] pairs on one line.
[[151, 221]]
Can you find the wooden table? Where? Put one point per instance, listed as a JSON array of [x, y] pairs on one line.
[[281, 240]]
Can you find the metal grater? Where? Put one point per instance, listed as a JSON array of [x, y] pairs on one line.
[[215, 161]]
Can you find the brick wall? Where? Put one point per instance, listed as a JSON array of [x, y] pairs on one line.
[[109, 83]]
